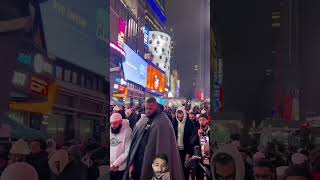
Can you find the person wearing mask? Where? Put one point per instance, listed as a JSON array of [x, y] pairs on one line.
[[226, 163], [153, 135], [19, 152], [39, 159], [19, 171], [132, 117], [298, 172], [193, 119], [120, 140], [263, 170], [184, 132]]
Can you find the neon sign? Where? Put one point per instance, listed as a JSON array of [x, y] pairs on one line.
[[39, 86], [117, 48], [157, 10], [121, 31]]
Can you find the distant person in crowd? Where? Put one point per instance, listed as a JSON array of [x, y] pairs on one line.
[[280, 172], [248, 167], [258, 156], [160, 167], [116, 109], [75, 169], [19, 151], [193, 119], [3, 162], [298, 158], [122, 112], [298, 172], [39, 159], [51, 147], [120, 140], [184, 132], [19, 171], [154, 135], [227, 164], [263, 170], [132, 117]]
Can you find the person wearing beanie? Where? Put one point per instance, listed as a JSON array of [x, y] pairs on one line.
[[19, 171], [258, 156], [19, 152], [298, 158], [120, 140]]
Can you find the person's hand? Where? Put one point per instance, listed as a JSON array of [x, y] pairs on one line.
[[188, 157], [114, 168], [131, 171], [200, 132]]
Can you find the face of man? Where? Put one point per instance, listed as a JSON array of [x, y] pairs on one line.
[[192, 117], [263, 173], [159, 167], [225, 171], [180, 116], [151, 109], [35, 147], [203, 122]]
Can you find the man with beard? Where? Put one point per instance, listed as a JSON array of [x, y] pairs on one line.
[[199, 140], [153, 135], [193, 119], [120, 140]]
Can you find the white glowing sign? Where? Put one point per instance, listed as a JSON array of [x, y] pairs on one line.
[[117, 48], [19, 79], [41, 66]]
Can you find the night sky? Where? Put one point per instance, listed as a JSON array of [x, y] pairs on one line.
[[184, 17]]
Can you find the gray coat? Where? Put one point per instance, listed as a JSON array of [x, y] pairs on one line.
[[161, 140]]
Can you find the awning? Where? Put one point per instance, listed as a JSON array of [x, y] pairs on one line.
[[19, 131]]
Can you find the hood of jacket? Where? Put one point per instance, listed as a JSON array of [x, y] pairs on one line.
[[184, 114], [61, 157], [232, 151]]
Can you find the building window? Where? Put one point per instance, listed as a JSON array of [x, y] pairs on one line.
[[160, 57], [59, 72], [83, 81], [67, 75], [157, 64], [94, 84], [155, 48], [100, 85], [161, 36], [150, 42], [158, 42], [74, 78], [88, 83], [162, 49]]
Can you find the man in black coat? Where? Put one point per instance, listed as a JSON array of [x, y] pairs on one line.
[[184, 131], [132, 117], [39, 159]]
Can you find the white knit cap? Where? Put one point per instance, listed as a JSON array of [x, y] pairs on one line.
[[115, 117], [298, 158], [60, 156], [20, 147], [19, 171], [116, 108]]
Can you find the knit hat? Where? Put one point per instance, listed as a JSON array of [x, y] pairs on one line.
[[19, 171], [298, 158], [116, 108], [115, 117], [20, 147]]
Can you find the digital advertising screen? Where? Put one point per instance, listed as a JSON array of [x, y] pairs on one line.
[[156, 79], [134, 67], [77, 31]]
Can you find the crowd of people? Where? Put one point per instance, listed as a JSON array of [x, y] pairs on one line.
[[159, 142], [37, 159]]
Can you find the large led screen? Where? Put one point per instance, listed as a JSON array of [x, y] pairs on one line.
[[77, 31], [134, 67], [156, 80]]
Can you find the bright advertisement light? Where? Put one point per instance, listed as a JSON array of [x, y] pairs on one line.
[[117, 48], [134, 67], [156, 80], [121, 31], [146, 35]]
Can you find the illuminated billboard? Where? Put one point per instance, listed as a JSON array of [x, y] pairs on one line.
[[134, 67], [77, 31], [156, 80]]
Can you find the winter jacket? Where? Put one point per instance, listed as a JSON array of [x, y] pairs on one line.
[[40, 163]]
